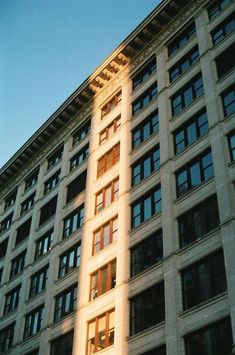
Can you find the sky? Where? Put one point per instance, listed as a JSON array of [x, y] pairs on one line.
[[47, 49]]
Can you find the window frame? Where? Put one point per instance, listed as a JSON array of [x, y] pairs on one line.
[[52, 182], [107, 132], [38, 281], [231, 146], [219, 8], [181, 39], [150, 94], [104, 277], [222, 29], [40, 247], [29, 328], [82, 155], [114, 194], [80, 182], [60, 303], [226, 93], [55, 157], [17, 265], [82, 131], [6, 223], [101, 230], [148, 68], [108, 160], [12, 300], [111, 104], [64, 267], [79, 212], [28, 203], [31, 179], [10, 199], [7, 335], [141, 129]]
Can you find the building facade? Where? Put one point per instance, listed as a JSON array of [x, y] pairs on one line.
[[117, 217]]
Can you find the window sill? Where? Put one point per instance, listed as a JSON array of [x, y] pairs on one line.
[[35, 297], [178, 155], [61, 279], [5, 316], [45, 223], [102, 250], [142, 182], [154, 135], [169, 59], [136, 89], [20, 244], [53, 166], [146, 271], [101, 296], [133, 117], [184, 74], [70, 236], [156, 216], [145, 331], [225, 76], [59, 321], [8, 209]]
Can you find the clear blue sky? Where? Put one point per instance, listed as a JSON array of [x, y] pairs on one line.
[[47, 49]]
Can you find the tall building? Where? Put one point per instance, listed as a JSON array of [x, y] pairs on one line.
[[117, 217]]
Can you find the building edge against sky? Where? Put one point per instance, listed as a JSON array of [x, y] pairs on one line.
[[117, 217]]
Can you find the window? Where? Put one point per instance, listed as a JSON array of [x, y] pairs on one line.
[[79, 158], [186, 95], [182, 39], [33, 322], [6, 338], [144, 73], [43, 244], [55, 157], [52, 182], [228, 99], [27, 204], [105, 235], [5, 224], [146, 253], [12, 300], [38, 282], [156, 351], [3, 248], [108, 160], [223, 29], [147, 308], [190, 131], [106, 196], [231, 142], [23, 231], [145, 166], [217, 7], [48, 210], [62, 345], [82, 132], [194, 173], [204, 280], [10, 199], [101, 332], [17, 264], [143, 100], [73, 221], [146, 207], [31, 179], [184, 64], [111, 104], [103, 280], [198, 221], [145, 129], [65, 303], [69, 260], [214, 339], [76, 187], [109, 131], [224, 62]]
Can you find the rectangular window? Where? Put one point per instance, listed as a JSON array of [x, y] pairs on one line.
[[156, 351], [17, 264], [69, 260], [145, 129], [82, 132], [187, 94], [101, 332], [55, 157], [184, 64], [43, 244], [228, 99], [65, 303], [182, 39], [190, 131], [73, 221], [111, 104], [5, 224], [146, 253], [198, 221], [52, 182], [23, 231], [6, 338], [110, 130], [32, 179], [48, 210], [10, 199], [231, 142], [214, 339], [144, 73], [12, 300], [217, 7], [204, 280], [144, 167], [225, 62], [28, 203], [223, 29], [146, 207], [194, 173], [38, 281], [106, 196], [103, 280], [79, 157], [147, 308], [144, 99], [62, 345], [105, 235], [3, 248], [76, 187], [33, 322], [108, 160]]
